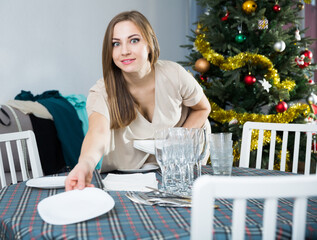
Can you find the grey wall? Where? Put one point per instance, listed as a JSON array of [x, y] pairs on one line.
[[56, 44]]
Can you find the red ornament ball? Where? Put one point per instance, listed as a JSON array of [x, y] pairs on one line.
[[276, 8], [249, 79], [307, 54], [281, 107]]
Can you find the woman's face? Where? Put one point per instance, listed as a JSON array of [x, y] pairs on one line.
[[130, 50]]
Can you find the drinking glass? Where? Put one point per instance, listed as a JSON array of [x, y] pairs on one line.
[[221, 153], [200, 147], [159, 144], [180, 142], [174, 153]]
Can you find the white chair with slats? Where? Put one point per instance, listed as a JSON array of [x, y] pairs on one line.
[[12, 142], [300, 130], [207, 188]]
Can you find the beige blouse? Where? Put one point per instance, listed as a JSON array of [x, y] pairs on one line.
[[175, 91]]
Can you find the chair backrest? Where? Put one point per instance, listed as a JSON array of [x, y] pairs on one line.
[[207, 188], [299, 130], [19, 139]]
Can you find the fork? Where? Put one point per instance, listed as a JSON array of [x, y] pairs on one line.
[[137, 199]]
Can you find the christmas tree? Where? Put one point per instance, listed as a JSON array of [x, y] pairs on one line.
[[254, 64]]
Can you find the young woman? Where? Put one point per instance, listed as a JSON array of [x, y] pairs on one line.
[[137, 95]]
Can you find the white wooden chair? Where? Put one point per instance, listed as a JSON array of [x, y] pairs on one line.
[[12, 164], [300, 130], [207, 188]]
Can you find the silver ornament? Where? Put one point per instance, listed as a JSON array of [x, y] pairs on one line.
[[279, 46]]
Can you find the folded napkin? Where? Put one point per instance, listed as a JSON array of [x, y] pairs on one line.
[[130, 182]]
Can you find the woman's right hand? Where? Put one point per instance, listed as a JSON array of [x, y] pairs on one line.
[[92, 149], [80, 177]]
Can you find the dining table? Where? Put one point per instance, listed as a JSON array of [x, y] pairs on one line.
[[19, 217]]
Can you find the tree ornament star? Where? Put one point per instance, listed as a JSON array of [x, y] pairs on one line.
[[265, 84]]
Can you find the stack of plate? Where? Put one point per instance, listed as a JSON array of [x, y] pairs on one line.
[[145, 146]]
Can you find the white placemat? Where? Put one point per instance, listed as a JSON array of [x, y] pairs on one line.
[[130, 182]]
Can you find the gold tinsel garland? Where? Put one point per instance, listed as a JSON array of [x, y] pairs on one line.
[[225, 116], [240, 60]]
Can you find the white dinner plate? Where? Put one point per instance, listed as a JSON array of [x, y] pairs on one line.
[[47, 182], [145, 168], [145, 145], [75, 206]]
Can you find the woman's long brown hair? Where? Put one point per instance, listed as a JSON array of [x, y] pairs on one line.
[[121, 103]]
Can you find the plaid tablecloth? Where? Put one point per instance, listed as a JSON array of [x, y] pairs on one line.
[[19, 218]]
